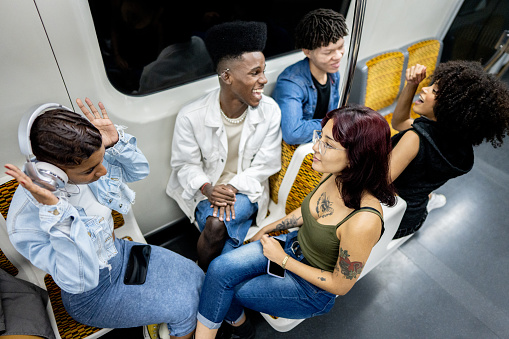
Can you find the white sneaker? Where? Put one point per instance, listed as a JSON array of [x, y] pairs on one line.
[[436, 201], [164, 333], [151, 331]]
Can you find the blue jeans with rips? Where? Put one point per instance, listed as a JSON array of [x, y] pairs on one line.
[[169, 295], [239, 279], [245, 214]]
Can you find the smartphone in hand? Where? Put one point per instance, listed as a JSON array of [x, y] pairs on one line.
[[273, 268]]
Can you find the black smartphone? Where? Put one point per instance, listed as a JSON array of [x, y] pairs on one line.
[[273, 268], [137, 265]]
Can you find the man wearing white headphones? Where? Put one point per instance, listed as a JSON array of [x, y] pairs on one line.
[[60, 220]]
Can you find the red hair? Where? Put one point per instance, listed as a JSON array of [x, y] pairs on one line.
[[367, 138]]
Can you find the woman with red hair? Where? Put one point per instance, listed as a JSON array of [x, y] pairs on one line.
[[340, 221]]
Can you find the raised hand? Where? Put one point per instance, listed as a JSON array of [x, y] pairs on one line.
[[103, 123], [416, 74], [40, 194]]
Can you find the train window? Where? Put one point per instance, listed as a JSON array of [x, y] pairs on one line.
[[475, 30], [151, 45]]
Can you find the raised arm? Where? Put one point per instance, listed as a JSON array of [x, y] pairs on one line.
[[403, 153], [48, 231], [121, 148], [401, 119]]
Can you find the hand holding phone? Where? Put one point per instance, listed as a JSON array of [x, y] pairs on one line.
[[273, 268]]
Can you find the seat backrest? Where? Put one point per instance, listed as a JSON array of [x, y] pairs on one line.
[[379, 79], [6, 191], [303, 183], [426, 52]]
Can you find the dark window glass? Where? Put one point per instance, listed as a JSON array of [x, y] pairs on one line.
[[475, 30], [150, 45]]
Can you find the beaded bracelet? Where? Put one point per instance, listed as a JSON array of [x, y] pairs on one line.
[[203, 186], [283, 265]]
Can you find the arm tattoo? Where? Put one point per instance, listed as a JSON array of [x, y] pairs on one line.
[[322, 278], [287, 223], [324, 206], [348, 268]]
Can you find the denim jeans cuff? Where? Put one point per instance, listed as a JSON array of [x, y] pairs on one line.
[[209, 324], [236, 320]]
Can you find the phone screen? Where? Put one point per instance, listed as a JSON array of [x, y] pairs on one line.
[[273, 268]]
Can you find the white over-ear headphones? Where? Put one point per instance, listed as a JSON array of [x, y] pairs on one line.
[[42, 174]]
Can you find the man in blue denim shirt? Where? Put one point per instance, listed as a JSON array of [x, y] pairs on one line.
[[308, 89], [67, 230]]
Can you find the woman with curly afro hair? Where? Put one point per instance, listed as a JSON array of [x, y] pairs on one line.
[[463, 107]]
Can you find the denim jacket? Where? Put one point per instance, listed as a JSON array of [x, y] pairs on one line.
[[61, 239], [297, 96]]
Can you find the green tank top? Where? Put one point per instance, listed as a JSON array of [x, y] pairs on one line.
[[318, 242]]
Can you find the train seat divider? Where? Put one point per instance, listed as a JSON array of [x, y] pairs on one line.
[[11, 261]]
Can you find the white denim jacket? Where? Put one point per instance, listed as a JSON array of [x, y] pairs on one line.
[[200, 148], [61, 239]]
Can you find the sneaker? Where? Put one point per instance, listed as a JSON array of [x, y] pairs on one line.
[[436, 201], [151, 331], [164, 333], [244, 331]]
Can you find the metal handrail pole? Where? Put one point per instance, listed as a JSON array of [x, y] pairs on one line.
[[358, 21]]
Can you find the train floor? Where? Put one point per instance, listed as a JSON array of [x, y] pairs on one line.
[[448, 281]]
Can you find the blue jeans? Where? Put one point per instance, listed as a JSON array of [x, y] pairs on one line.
[[245, 213], [169, 295], [239, 279]]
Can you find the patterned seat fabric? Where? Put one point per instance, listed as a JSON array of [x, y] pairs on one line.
[[276, 179], [68, 328], [426, 53], [383, 79], [306, 179], [6, 192]]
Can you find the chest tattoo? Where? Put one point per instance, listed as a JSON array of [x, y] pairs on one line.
[[324, 206]]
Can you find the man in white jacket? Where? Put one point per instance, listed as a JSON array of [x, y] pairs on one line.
[[227, 143]]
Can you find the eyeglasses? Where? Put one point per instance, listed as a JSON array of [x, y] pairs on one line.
[[322, 147]]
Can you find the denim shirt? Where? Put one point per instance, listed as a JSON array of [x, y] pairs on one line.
[[61, 239], [297, 96]]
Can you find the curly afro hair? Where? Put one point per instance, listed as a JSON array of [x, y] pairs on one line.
[[470, 103], [232, 39], [319, 28]]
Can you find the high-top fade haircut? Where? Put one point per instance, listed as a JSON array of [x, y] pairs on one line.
[[319, 28], [232, 39]]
